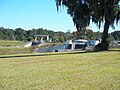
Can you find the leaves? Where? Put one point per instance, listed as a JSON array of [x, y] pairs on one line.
[[83, 10]]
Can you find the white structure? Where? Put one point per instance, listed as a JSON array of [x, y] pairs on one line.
[[93, 42], [81, 41], [81, 44], [70, 44], [28, 45], [41, 36], [115, 42]]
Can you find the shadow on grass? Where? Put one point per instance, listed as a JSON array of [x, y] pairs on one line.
[[44, 54], [57, 53], [115, 50]]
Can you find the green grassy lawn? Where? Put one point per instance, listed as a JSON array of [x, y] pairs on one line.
[[61, 71], [7, 43], [14, 50], [8, 47]]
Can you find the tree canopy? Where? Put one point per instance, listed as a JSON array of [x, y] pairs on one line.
[[83, 11], [28, 35], [99, 11]]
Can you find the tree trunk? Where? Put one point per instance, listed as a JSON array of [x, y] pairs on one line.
[[105, 32], [104, 45]]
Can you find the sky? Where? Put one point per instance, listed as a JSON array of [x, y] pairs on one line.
[[29, 14]]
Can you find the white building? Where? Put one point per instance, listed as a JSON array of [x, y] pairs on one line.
[[93, 42], [81, 44]]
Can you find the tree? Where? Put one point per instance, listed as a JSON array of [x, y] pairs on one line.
[[6, 34], [20, 34], [116, 35], [68, 35], [99, 11]]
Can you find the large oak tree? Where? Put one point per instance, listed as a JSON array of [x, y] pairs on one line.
[[99, 11]]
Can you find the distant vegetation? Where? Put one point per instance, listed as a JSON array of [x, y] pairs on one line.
[[20, 34]]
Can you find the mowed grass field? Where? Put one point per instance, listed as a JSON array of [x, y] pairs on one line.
[[61, 71], [8, 43], [8, 47]]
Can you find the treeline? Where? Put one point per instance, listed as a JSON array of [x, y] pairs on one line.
[[28, 35]]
